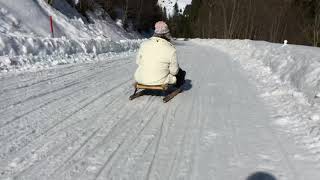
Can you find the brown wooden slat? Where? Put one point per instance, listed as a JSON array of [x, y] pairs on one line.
[[154, 87]]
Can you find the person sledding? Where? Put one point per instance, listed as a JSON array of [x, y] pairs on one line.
[[157, 62]]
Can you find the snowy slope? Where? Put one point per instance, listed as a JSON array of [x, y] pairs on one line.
[[26, 43], [169, 4], [33, 16], [101, 24], [76, 122], [64, 7]]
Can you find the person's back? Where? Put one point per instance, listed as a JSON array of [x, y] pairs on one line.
[[157, 62]]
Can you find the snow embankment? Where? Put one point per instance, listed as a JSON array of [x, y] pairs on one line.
[[30, 52], [298, 66], [287, 78]]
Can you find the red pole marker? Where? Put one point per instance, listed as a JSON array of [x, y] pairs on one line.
[[51, 27]]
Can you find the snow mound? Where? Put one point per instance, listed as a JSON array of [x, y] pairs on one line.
[[24, 52], [298, 66]]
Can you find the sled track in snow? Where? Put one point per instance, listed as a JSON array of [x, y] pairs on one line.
[[76, 122]]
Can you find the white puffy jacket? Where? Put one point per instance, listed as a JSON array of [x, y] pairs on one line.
[[157, 61]]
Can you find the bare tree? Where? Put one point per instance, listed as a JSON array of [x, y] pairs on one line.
[[316, 26], [211, 5]]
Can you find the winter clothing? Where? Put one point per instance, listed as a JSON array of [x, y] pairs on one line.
[[166, 36], [157, 60], [180, 78], [161, 28]]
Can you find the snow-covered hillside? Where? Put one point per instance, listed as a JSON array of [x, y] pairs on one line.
[[25, 37], [169, 4], [32, 18]]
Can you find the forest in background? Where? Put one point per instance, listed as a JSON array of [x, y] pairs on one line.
[[297, 21], [137, 15]]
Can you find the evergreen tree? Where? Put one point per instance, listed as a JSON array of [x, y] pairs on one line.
[[164, 14], [176, 9]]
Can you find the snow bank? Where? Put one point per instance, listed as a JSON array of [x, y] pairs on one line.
[[20, 52], [20, 45], [298, 66], [288, 79]]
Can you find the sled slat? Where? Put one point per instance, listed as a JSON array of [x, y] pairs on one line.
[[154, 87]]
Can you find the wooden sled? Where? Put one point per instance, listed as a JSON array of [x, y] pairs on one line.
[[163, 88]]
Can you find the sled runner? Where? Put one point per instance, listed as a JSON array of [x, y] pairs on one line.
[[163, 88]]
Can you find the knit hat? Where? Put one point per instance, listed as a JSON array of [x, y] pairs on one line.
[[161, 28]]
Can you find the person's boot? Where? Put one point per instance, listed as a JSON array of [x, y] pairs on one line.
[[180, 78]]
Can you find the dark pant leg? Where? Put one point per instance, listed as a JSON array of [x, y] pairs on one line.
[[180, 78]]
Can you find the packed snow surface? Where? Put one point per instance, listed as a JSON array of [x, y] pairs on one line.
[[234, 120]]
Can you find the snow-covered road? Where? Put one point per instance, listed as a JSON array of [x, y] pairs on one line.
[[76, 122]]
